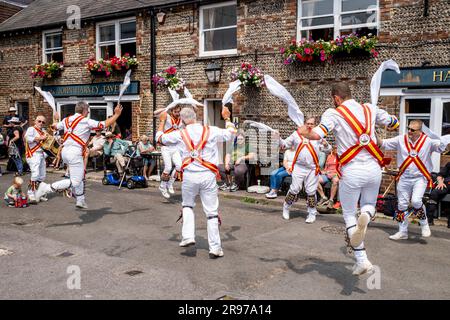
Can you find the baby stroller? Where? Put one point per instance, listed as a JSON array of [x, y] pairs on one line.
[[133, 169]]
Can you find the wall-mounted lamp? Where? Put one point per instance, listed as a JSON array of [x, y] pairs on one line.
[[161, 16], [213, 72]]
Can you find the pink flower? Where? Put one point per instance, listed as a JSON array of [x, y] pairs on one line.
[[308, 51], [282, 50], [171, 71]]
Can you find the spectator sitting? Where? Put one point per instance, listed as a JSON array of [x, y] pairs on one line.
[[236, 160], [96, 144], [438, 193], [329, 174], [145, 148], [115, 129], [277, 176], [116, 148], [8, 125], [14, 192]]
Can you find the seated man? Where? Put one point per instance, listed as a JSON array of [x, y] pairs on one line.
[[236, 159], [116, 148], [96, 144], [277, 176], [144, 149], [329, 174], [438, 193]]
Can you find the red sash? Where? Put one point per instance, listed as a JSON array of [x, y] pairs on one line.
[[413, 157], [311, 150], [69, 132], [175, 125], [363, 134], [29, 152], [196, 151]]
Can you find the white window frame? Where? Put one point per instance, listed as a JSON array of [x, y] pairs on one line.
[[117, 41], [337, 18], [202, 52], [107, 104], [46, 51]]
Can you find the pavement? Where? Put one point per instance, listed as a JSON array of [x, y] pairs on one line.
[[125, 246]]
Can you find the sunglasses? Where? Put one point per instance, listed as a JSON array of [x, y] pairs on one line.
[[310, 124], [40, 121], [413, 130]]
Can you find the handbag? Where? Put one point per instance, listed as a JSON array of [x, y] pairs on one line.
[[13, 151]]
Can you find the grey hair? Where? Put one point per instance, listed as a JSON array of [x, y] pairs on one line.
[[81, 106], [188, 114]]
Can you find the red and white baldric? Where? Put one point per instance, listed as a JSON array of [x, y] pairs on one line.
[[305, 143], [29, 152]]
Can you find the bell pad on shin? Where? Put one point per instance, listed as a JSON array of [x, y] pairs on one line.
[[290, 198], [311, 201]]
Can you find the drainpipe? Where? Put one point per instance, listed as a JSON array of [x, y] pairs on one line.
[[153, 66]]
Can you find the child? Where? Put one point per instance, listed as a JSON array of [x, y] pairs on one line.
[[14, 192]]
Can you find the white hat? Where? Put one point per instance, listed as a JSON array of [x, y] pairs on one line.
[[13, 109], [109, 134], [14, 119]]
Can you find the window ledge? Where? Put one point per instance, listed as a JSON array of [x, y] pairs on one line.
[[213, 57]]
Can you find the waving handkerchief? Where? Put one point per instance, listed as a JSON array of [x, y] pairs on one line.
[[444, 139], [259, 125], [124, 86], [48, 97], [175, 96], [233, 87], [279, 91], [376, 79], [190, 101]]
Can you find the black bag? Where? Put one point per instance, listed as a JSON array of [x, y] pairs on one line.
[[387, 204], [11, 166]]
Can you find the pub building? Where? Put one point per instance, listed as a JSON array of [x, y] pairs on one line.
[[206, 40]]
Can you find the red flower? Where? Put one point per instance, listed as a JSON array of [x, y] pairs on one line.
[[171, 71]]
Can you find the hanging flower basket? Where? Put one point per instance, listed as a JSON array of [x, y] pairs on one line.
[[344, 46], [249, 75], [115, 65], [169, 79], [48, 70]]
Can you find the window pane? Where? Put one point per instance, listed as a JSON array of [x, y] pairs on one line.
[[317, 21], [417, 105], [219, 17], [129, 48], [57, 56], [98, 114], [359, 18], [220, 40], [360, 31], [53, 41], [317, 8], [324, 34], [354, 5], [107, 33], [425, 119], [67, 110], [128, 30], [107, 52], [446, 118]]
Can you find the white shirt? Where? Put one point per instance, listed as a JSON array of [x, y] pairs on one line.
[[82, 130], [210, 152], [98, 142], [169, 123], [289, 157], [429, 146], [346, 138], [305, 158], [30, 135]]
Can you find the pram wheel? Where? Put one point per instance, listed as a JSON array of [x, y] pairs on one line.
[[131, 184], [105, 181]]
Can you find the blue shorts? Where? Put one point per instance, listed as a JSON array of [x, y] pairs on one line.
[[325, 178]]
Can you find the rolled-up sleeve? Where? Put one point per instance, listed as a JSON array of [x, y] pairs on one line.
[[327, 123]]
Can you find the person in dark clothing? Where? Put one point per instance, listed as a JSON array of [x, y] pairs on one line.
[[439, 192], [15, 137], [8, 126]]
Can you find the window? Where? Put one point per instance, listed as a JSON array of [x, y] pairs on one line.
[[418, 109], [52, 46], [116, 38], [218, 29], [329, 19]]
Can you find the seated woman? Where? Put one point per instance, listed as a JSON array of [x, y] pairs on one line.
[[236, 161], [144, 149], [329, 174], [277, 176]]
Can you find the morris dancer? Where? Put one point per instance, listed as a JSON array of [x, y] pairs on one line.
[[414, 163], [77, 129], [360, 161], [200, 153], [34, 138], [170, 154], [305, 169]]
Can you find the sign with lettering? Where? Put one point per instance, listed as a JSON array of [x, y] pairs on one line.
[[417, 78], [92, 90]]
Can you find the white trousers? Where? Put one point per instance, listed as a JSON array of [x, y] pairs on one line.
[[38, 169], [359, 183], [171, 157], [204, 184], [73, 158], [308, 177], [411, 190]]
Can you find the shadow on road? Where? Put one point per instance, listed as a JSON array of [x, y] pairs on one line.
[[338, 271], [92, 216]]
